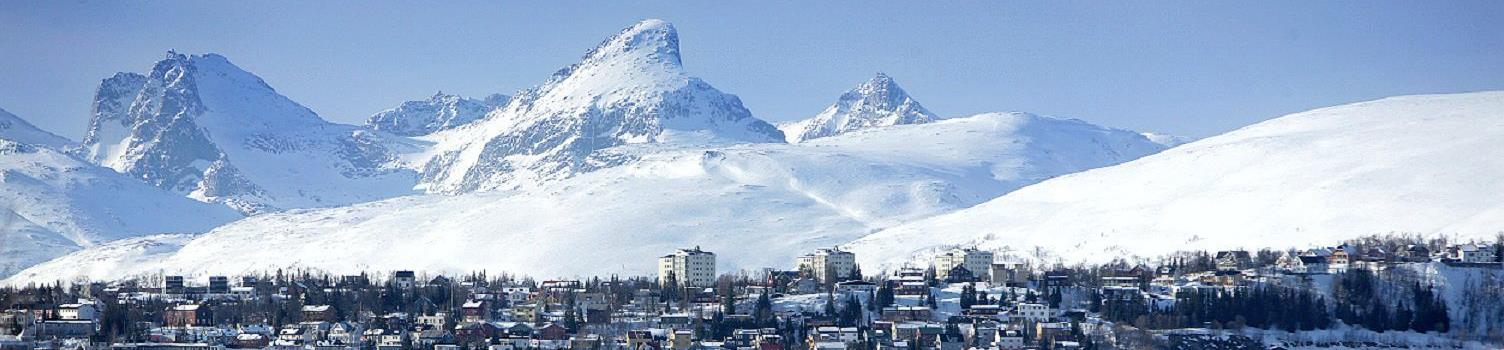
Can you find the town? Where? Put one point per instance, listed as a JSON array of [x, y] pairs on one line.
[[1376, 291]]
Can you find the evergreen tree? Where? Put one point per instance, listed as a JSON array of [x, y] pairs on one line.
[[851, 313], [884, 296], [830, 304], [968, 296], [763, 312], [728, 302]]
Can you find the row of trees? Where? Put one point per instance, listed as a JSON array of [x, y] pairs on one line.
[[1289, 309], [1364, 300]]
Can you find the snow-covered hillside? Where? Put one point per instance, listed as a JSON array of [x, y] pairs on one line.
[[631, 89], [24, 243], [1418, 164], [438, 113], [200, 126], [876, 103], [52, 203], [15, 129], [756, 205], [1167, 139]]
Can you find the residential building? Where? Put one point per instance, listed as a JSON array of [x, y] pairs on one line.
[[219, 285], [1008, 272], [829, 265], [689, 267], [1033, 312], [978, 262], [172, 285], [186, 315], [317, 313], [79, 311], [476, 311], [404, 279], [1233, 260], [1416, 253], [1475, 253]]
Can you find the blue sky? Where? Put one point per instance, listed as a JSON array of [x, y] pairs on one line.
[[1195, 68]]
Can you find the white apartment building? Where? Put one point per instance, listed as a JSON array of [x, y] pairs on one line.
[[690, 267], [1033, 312], [979, 262], [829, 264]]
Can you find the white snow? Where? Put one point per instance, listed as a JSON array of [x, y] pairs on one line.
[[15, 129], [1418, 164], [631, 89], [1167, 139], [200, 126], [52, 203], [878, 102], [755, 205], [25, 243], [438, 113]]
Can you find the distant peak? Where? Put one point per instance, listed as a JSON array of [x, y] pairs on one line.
[[881, 80], [880, 87], [651, 39], [496, 99], [175, 58]]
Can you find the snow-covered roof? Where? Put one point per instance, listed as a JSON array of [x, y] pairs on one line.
[[186, 307], [315, 308]]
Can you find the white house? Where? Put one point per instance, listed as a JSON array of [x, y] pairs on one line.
[[1475, 253], [79, 311], [1033, 312]]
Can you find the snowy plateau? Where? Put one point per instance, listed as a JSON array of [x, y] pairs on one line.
[[624, 156]]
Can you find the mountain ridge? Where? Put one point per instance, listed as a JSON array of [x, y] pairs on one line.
[[200, 126], [629, 89], [783, 199], [53, 203], [878, 102]]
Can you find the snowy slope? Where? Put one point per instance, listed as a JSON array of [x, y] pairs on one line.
[[1425, 164], [200, 126], [52, 203], [112, 256], [438, 113], [1167, 139], [755, 204], [876, 103], [15, 129], [631, 89], [24, 243]]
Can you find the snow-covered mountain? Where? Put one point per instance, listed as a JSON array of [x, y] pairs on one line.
[[631, 89], [24, 243], [52, 203], [200, 126], [438, 113], [876, 103], [1424, 164], [15, 129], [1167, 139], [755, 204]]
